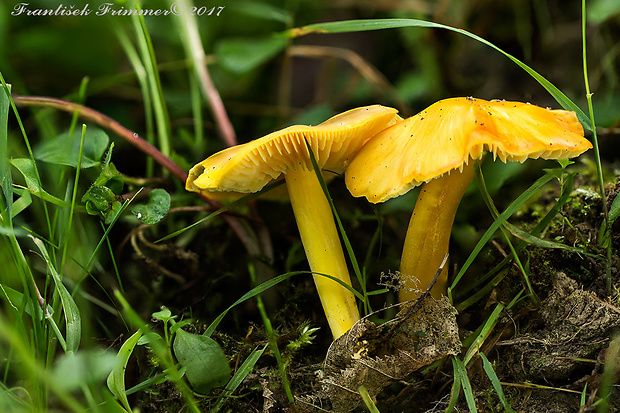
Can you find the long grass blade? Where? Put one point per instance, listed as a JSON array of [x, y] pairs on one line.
[[497, 386], [73, 320], [239, 376], [511, 209], [380, 24]]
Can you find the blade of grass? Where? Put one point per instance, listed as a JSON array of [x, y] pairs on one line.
[[511, 209], [239, 376], [73, 320], [495, 213], [542, 224], [343, 234], [147, 54], [6, 180], [597, 155], [273, 342], [380, 24], [194, 50], [461, 372], [141, 75], [265, 286], [370, 405], [484, 333], [73, 200], [488, 369]]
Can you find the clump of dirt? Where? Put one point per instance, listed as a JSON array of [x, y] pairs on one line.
[[375, 356], [576, 325]]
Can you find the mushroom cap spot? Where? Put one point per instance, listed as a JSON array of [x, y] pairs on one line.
[[448, 133], [249, 167]]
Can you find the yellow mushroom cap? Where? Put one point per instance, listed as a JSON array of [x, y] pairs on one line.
[[448, 133], [249, 167]]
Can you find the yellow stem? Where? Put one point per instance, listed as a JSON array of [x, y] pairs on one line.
[[321, 242], [428, 235]]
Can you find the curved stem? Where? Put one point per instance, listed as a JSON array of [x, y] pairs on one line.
[[428, 235], [321, 242]]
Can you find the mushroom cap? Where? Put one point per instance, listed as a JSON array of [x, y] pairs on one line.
[[247, 168], [448, 133]]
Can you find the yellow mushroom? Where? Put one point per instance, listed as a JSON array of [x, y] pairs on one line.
[[249, 167], [434, 148]]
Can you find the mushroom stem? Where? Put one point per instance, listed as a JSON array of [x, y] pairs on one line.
[[321, 242], [428, 235]]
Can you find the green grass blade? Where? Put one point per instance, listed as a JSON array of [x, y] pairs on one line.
[[380, 24], [370, 405], [239, 376], [488, 369], [343, 234], [461, 372], [147, 53], [5, 171], [511, 209], [250, 294], [484, 333], [73, 320], [456, 388]]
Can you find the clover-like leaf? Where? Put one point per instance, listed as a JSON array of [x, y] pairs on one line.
[[204, 360], [155, 210]]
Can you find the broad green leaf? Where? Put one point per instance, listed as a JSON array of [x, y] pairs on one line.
[[27, 169], [73, 320], [241, 55], [116, 379], [65, 149], [380, 24], [89, 367], [155, 210], [204, 360]]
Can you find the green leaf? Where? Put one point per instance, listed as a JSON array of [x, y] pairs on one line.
[[116, 379], [73, 320], [65, 149], [155, 210], [89, 367], [27, 169], [380, 24], [164, 315], [98, 199], [241, 55], [204, 360]]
